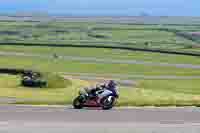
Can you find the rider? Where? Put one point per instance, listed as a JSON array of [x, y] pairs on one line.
[[110, 86]]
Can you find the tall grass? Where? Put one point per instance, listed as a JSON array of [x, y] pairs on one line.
[[56, 81]]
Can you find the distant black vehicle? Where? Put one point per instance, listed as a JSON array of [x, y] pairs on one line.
[[33, 79]]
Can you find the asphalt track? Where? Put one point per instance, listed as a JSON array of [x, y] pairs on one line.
[[23, 119]]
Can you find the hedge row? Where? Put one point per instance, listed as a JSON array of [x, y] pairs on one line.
[[176, 52]]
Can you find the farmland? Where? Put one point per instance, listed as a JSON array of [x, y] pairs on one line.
[[144, 36]]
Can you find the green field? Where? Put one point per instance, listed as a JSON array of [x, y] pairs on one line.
[[59, 65], [147, 92], [104, 53]]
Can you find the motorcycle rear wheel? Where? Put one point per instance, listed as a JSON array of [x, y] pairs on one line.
[[77, 103]]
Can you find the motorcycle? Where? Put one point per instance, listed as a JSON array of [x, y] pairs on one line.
[[104, 99], [31, 79]]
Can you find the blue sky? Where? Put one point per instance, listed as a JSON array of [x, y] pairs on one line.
[[104, 7]]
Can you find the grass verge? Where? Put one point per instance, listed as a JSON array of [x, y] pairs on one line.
[[146, 93], [10, 87], [162, 93]]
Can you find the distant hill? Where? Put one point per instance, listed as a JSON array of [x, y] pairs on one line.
[[142, 19]]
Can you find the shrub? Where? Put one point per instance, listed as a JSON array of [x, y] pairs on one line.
[[55, 80]]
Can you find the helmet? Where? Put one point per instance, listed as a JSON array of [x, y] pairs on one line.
[[112, 83]]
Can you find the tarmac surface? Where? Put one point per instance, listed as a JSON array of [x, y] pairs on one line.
[[42, 119]]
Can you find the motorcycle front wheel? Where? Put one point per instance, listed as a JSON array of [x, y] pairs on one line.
[[108, 102]]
